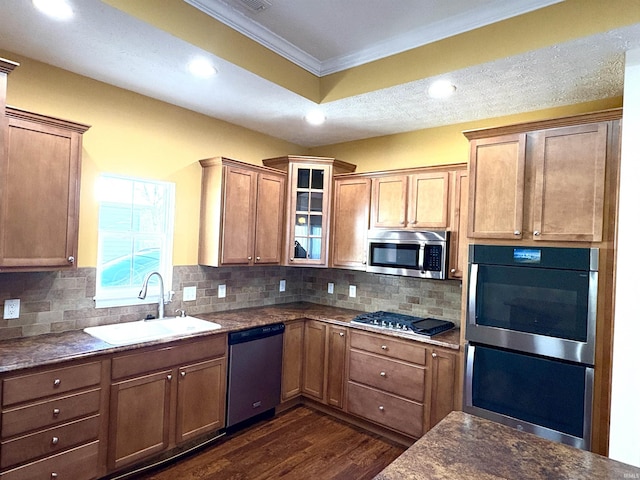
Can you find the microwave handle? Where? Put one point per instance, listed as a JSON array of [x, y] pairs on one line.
[[473, 291], [421, 258]]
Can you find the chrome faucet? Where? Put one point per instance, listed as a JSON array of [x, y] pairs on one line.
[[143, 292]]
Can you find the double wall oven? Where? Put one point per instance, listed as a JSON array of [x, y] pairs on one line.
[[530, 334]]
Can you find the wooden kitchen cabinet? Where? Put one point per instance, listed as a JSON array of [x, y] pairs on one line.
[[458, 244], [163, 396], [54, 422], [292, 359], [351, 202], [39, 192], [324, 362], [308, 214], [543, 180], [241, 215], [441, 385], [416, 200]]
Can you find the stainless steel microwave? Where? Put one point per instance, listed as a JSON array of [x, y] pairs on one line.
[[408, 253]]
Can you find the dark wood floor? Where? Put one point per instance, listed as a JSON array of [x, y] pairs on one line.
[[300, 444]]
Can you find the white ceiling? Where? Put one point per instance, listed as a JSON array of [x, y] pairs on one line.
[[106, 44]]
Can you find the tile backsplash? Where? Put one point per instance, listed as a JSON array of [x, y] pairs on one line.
[[53, 302]]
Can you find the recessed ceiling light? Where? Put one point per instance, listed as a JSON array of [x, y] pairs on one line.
[[441, 89], [201, 67], [58, 9], [315, 117]]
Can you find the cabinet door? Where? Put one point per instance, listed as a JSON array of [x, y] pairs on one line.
[[351, 200], [496, 187], [428, 201], [337, 351], [292, 359], [201, 398], [238, 216], [389, 202], [39, 195], [442, 385], [310, 200], [139, 418], [458, 245], [570, 164], [313, 372], [269, 218]]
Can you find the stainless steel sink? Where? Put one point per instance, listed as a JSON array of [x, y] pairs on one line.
[[146, 330]]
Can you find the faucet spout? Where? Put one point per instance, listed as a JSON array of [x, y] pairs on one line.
[[143, 292]]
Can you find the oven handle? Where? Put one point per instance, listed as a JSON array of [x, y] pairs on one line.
[[470, 351], [473, 290]]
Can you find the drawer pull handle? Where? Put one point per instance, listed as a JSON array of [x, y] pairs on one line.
[[383, 374], [381, 408], [56, 412], [384, 347], [54, 475], [57, 382], [55, 440], [183, 374]]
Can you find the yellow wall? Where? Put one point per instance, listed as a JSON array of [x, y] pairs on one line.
[[135, 135], [438, 146]]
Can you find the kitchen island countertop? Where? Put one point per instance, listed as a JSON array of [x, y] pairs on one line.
[[464, 446], [50, 349]]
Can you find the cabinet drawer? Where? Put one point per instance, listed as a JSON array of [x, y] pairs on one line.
[[50, 382], [50, 412], [80, 463], [388, 347], [394, 412], [150, 360], [46, 442], [389, 375]]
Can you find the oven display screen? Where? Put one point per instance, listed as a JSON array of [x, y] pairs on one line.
[[527, 255]]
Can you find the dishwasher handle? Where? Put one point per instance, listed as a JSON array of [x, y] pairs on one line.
[[256, 333]]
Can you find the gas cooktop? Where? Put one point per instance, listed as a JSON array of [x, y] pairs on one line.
[[404, 323]]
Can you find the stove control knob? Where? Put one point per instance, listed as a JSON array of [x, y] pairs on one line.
[[398, 325], [375, 322], [383, 323]]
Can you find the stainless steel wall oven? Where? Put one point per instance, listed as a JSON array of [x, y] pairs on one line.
[[530, 330]]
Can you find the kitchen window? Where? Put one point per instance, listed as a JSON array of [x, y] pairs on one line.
[[135, 237]]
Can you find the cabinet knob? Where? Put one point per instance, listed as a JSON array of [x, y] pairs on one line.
[[517, 232], [54, 475], [401, 222], [342, 334], [71, 259], [169, 377], [364, 262], [56, 382], [257, 259], [434, 354], [381, 408], [384, 347], [291, 259], [55, 440], [248, 258], [56, 412], [383, 374], [536, 233], [453, 270], [183, 374], [413, 222]]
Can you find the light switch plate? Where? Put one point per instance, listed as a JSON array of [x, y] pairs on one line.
[[330, 288], [189, 294], [352, 291], [11, 309], [283, 285], [222, 291]]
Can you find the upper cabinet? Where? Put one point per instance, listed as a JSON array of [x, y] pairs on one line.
[[308, 210], [411, 200], [542, 181], [39, 192], [351, 199], [241, 213]]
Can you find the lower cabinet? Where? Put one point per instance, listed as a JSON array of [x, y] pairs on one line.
[[402, 385], [325, 347], [292, 358], [163, 396]]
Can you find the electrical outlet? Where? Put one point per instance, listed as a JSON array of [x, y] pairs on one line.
[[189, 294], [330, 288], [12, 308], [283, 285], [222, 291], [352, 291]]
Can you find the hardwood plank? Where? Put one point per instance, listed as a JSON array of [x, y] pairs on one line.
[[299, 443]]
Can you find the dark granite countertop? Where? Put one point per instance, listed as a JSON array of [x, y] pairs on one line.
[[51, 349], [463, 446]]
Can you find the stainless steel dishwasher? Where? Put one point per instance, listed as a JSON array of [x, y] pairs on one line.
[[255, 371]]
